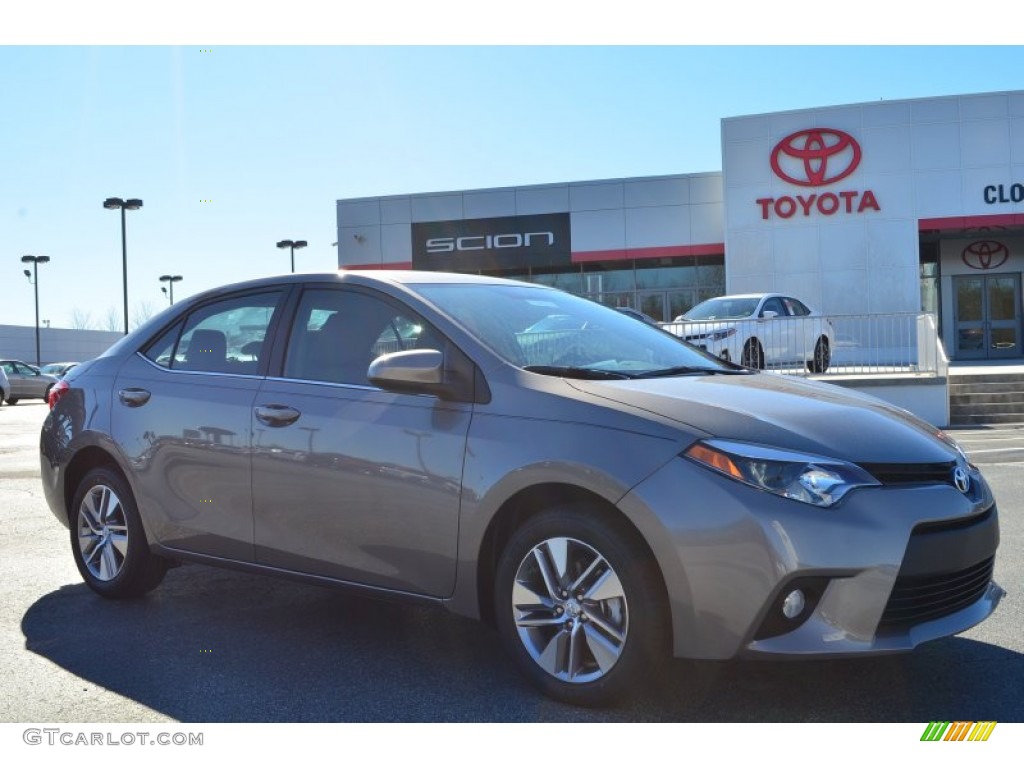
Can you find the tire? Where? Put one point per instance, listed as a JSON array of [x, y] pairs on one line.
[[590, 648], [12, 400], [822, 356], [107, 538], [753, 355]]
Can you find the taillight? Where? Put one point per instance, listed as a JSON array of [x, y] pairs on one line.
[[57, 391]]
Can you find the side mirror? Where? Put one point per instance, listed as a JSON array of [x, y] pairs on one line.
[[415, 371], [768, 314]]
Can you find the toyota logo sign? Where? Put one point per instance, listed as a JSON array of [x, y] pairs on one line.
[[985, 254], [815, 157]]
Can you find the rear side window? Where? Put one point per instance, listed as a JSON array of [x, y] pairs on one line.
[[221, 337], [338, 333], [797, 308]]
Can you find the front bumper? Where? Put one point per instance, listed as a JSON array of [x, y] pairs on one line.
[[884, 560]]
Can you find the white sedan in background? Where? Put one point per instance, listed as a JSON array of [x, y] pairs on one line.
[[759, 330]]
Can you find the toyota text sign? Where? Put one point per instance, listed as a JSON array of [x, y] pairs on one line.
[[814, 159]]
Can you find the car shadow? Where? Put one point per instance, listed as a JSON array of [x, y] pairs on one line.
[[218, 646]]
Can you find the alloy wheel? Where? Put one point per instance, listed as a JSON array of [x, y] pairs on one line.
[[570, 610], [102, 532]]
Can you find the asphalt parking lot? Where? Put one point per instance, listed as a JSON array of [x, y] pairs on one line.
[[219, 646]]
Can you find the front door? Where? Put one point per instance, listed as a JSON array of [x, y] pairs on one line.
[[349, 481], [988, 316]]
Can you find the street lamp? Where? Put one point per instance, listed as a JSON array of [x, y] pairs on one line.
[[33, 277], [293, 245], [171, 280], [113, 203]]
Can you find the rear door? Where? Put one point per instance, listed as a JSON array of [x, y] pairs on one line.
[[182, 413]]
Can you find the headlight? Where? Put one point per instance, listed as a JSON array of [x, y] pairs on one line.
[[816, 480], [722, 334]]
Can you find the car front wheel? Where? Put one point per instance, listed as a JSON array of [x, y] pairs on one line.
[[822, 357], [580, 606], [107, 538], [753, 355]]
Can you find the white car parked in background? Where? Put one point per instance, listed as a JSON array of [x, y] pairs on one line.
[[759, 330]]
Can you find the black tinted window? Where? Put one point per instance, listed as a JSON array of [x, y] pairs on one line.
[[222, 337], [337, 334]]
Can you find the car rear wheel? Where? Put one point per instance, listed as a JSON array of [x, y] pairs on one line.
[[822, 356], [579, 605], [12, 400], [107, 538], [753, 355]]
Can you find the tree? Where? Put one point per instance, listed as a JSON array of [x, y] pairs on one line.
[[112, 321], [81, 320], [143, 311]]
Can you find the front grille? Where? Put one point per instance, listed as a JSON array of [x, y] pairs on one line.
[[924, 598], [903, 474]]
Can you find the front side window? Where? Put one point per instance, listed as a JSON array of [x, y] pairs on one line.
[[222, 337], [773, 305], [338, 333]]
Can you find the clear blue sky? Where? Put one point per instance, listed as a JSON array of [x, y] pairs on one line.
[[273, 136]]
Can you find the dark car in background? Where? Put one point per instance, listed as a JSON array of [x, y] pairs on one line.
[[26, 381], [605, 500]]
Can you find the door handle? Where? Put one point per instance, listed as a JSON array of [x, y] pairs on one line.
[[133, 397], [277, 415]]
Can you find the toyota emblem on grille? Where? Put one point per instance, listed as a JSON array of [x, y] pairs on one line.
[[816, 157], [961, 479]]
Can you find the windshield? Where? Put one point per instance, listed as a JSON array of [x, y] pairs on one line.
[[549, 331], [722, 308]]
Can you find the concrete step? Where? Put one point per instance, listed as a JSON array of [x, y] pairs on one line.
[[965, 387], [987, 378], [967, 420], [957, 399], [985, 409]]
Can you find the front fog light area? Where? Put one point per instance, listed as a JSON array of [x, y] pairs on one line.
[[792, 606], [816, 480]]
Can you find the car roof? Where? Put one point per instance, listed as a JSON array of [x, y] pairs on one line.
[[365, 277], [752, 296]]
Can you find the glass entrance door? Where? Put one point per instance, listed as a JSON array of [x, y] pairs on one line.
[[988, 316]]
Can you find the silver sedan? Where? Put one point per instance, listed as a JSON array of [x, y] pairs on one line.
[[600, 491], [26, 381]]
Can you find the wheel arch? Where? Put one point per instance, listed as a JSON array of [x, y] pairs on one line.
[[528, 502], [84, 461]]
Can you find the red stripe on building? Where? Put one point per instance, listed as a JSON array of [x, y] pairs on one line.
[[972, 222], [660, 252]]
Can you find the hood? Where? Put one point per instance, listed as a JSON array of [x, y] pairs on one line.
[[785, 412]]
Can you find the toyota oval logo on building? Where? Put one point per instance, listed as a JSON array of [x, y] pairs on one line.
[[985, 254], [815, 157]]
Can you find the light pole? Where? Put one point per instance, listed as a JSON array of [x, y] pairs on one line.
[[170, 280], [293, 244], [133, 204], [33, 277]]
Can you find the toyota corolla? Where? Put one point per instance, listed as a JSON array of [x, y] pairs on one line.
[[605, 494]]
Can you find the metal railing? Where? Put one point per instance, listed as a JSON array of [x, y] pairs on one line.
[[859, 345]]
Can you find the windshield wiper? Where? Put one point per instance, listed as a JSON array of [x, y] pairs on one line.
[[686, 370], [576, 373]]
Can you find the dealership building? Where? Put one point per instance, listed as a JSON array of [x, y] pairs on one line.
[[883, 209]]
